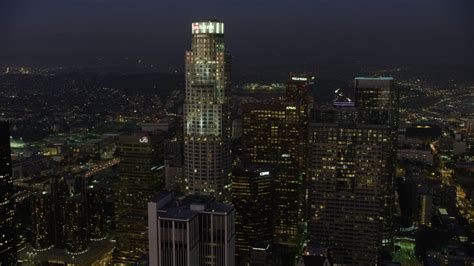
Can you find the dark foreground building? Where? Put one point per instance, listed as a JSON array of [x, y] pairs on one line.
[[7, 209], [197, 230], [141, 176], [252, 196]]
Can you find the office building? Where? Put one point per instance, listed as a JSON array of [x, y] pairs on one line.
[[252, 196], [298, 88], [348, 167], [75, 229], [96, 219], [206, 117], [196, 230], [274, 134], [299, 92], [377, 102], [60, 194], [82, 228], [141, 172], [42, 219], [351, 166], [99, 253], [7, 209]]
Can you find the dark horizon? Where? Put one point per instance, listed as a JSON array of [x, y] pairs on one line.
[[271, 38]]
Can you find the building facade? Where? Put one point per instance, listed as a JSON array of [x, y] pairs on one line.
[[141, 176], [42, 219], [75, 229], [351, 166], [298, 88], [274, 134], [377, 102], [96, 218], [196, 230], [59, 195], [7, 209], [252, 196], [206, 118]]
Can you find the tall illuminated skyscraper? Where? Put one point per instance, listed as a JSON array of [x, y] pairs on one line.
[[377, 102], [7, 210], [42, 235], [207, 127], [141, 176], [96, 220], [75, 229], [59, 193], [351, 171], [274, 134]]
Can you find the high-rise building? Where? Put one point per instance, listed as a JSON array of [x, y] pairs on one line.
[[96, 219], [298, 88], [206, 117], [377, 102], [252, 196], [42, 219], [82, 228], [59, 194], [348, 167], [274, 134], [196, 230], [351, 170], [141, 176], [75, 229], [298, 92], [7, 209]]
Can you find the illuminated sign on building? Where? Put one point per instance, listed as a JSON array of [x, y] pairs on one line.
[[299, 78], [290, 108], [209, 27], [265, 173], [143, 139]]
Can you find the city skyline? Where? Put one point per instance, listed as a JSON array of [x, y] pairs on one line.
[[97, 169]]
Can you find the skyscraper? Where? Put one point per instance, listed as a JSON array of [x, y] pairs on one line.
[[42, 228], [298, 87], [196, 230], [206, 118], [141, 176], [377, 102], [96, 219], [351, 170], [274, 135], [7, 209], [76, 230], [252, 196], [298, 92], [60, 194]]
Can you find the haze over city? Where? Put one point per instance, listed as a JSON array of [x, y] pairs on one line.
[[268, 37]]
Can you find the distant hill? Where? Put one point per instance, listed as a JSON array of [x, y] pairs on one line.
[[148, 83]]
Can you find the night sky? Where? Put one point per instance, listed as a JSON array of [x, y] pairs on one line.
[[262, 35]]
